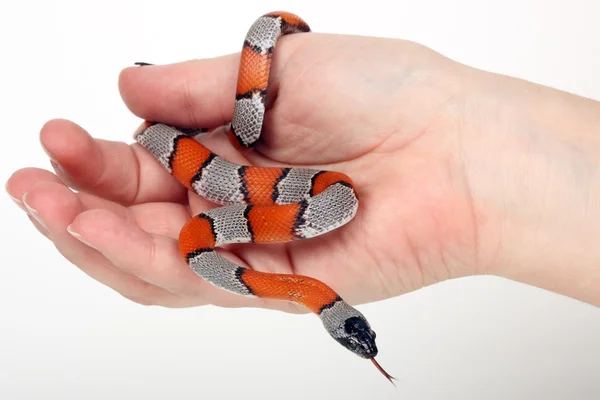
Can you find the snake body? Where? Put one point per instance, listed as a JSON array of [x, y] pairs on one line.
[[260, 205]]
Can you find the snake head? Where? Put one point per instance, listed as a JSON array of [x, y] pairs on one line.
[[349, 328], [358, 337], [355, 334]]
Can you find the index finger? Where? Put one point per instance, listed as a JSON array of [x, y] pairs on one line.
[[196, 93], [191, 94]]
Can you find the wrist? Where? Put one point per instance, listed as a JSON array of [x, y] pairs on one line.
[[534, 173]]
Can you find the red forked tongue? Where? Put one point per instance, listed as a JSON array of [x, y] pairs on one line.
[[388, 376]]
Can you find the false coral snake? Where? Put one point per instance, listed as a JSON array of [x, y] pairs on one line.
[[261, 205]]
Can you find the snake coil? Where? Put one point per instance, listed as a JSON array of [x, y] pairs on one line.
[[261, 205]]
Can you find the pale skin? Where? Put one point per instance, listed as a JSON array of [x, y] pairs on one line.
[[460, 172]]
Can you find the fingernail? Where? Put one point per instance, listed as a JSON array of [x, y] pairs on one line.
[[63, 175], [39, 227], [79, 237], [34, 213], [57, 167], [50, 155], [60, 172], [13, 198]]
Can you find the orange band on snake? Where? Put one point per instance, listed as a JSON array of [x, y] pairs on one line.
[[261, 205]]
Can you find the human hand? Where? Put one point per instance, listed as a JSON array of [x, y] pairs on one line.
[[394, 116]]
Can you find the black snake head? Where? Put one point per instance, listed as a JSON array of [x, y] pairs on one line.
[[358, 337]]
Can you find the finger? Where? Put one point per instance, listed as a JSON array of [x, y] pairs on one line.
[[197, 93], [24, 179], [17, 187], [111, 170], [54, 206], [153, 258]]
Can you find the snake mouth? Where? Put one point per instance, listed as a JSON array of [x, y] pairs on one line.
[[370, 350]]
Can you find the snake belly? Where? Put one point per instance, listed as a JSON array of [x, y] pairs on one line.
[[260, 205]]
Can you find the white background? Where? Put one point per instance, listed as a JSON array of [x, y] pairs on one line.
[[64, 336]]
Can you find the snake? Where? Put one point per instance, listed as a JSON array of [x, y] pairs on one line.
[[265, 205]]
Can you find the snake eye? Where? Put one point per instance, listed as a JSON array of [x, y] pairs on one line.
[[352, 343]]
